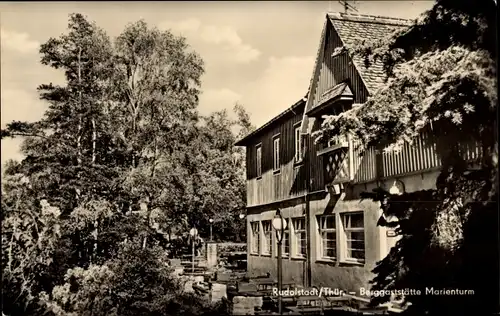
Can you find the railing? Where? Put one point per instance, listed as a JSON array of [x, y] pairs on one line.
[[369, 164]]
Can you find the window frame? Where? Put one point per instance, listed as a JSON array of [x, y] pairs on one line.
[[346, 230], [322, 231], [258, 161], [276, 154], [298, 144], [255, 242], [297, 245], [267, 243]]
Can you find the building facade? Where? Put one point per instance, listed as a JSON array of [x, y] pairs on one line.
[[332, 238]]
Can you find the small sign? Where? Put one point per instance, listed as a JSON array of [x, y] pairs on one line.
[[391, 233]]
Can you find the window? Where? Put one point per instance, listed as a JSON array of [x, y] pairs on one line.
[[268, 237], [298, 145], [276, 153], [327, 231], [299, 229], [255, 240], [354, 236], [259, 160]]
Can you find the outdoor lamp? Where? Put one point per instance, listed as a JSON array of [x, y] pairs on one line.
[[194, 233], [242, 216], [279, 224], [211, 221]]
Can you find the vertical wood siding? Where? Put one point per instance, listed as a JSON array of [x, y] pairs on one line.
[[290, 181], [419, 156], [336, 70], [368, 165]]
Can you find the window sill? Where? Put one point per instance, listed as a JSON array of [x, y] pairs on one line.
[[298, 163], [254, 254], [266, 255], [283, 256], [352, 263], [326, 260], [259, 178], [296, 258], [276, 172]]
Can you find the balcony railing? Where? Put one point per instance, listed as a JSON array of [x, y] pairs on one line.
[[344, 160], [336, 160]]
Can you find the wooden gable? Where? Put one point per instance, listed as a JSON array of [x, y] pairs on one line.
[[334, 66]]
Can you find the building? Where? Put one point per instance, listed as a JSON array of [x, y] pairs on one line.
[[332, 237]]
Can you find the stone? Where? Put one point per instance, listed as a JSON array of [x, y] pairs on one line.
[[212, 259], [198, 278], [178, 271], [188, 286], [218, 292], [246, 305]]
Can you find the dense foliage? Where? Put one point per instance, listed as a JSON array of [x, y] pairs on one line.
[[120, 163], [442, 79]]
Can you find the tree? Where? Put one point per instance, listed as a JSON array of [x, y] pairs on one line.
[[156, 86], [122, 158], [135, 282], [442, 78], [31, 231]]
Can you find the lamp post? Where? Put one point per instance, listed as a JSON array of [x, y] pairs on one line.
[[211, 222], [193, 233], [279, 225]]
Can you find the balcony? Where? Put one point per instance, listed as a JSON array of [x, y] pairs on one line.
[[337, 161]]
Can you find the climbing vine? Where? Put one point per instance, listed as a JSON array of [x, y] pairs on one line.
[[441, 78]]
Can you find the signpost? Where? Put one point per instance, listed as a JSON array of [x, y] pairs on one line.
[[193, 233]]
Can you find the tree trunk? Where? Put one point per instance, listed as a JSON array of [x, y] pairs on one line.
[[9, 265], [96, 234], [79, 137], [94, 141]]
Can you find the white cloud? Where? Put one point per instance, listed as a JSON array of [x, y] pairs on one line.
[[18, 105], [218, 99], [18, 41], [11, 150], [284, 82], [225, 36], [21, 105]]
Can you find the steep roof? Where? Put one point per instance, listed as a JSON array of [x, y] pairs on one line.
[[354, 27], [351, 28], [338, 90]]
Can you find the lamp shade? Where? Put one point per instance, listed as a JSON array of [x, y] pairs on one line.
[[211, 220], [279, 223], [242, 216]]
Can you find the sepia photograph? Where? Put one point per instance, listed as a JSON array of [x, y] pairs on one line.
[[206, 158]]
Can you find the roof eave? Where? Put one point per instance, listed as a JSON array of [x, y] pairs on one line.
[[324, 105], [244, 140]]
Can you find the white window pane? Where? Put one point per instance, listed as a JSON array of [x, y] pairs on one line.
[[354, 236]]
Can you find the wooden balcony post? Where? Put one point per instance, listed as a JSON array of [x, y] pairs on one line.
[[350, 156], [379, 162]]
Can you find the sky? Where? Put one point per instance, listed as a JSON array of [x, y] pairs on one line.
[[259, 54]]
